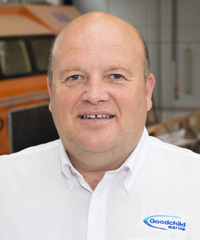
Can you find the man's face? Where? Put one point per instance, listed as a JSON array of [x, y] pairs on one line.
[[99, 98]]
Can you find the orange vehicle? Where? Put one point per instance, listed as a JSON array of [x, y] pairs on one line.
[[26, 35]]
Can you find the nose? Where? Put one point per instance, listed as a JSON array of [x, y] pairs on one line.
[[95, 92]]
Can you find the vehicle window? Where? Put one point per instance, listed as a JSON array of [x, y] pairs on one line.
[[41, 47], [14, 58]]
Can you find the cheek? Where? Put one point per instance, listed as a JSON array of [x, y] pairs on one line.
[[134, 110], [64, 106], [63, 100], [60, 106], [134, 100]]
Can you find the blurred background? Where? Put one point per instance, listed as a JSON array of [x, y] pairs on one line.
[[171, 29]]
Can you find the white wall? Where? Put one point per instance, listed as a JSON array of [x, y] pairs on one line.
[[153, 18]]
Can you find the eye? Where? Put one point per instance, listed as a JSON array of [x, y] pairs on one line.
[[74, 77], [116, 76]]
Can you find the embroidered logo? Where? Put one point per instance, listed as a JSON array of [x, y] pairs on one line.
[[165, 222]]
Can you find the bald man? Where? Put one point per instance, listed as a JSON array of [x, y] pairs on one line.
[[105, 178]]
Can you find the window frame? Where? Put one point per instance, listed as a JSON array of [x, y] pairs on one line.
[[30, 54]]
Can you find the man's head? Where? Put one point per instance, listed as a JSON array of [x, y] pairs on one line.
[[99, 99]]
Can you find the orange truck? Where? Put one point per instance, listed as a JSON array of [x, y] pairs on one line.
[[26, 35]]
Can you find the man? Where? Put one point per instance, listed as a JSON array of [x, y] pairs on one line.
[[105, 179]]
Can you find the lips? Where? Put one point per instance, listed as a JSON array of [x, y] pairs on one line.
[[97, 116]]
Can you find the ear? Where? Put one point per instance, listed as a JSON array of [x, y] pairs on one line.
[[149, 90], [49, 91]]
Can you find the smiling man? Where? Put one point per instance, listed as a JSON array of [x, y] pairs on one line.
[[105, 178], [99, 94]]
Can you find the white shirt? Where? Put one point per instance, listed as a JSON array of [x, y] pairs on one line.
[[153, 195]]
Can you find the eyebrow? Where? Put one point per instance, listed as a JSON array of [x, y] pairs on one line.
[[114, 68], [69, 69], [111, 68]]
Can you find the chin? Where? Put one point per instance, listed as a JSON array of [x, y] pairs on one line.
[[97, 148]]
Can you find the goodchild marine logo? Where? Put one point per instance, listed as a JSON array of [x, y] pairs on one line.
[[165, 222]]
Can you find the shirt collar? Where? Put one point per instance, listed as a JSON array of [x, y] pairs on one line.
[[136, 159], [66, 166], [132, 165]]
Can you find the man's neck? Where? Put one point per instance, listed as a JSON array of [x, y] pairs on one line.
[[92, 178], [93, 167]]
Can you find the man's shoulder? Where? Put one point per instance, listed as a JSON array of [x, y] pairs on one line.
[[173, 151], [31, 152]]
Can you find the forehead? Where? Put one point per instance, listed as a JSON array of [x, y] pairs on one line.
[[99, 37]]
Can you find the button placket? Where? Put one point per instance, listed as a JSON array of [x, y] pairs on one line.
[[97, 210]]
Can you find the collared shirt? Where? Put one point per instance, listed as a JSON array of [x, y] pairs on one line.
[[153, 195]]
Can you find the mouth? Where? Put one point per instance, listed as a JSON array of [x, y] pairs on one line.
[[96, 116]]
